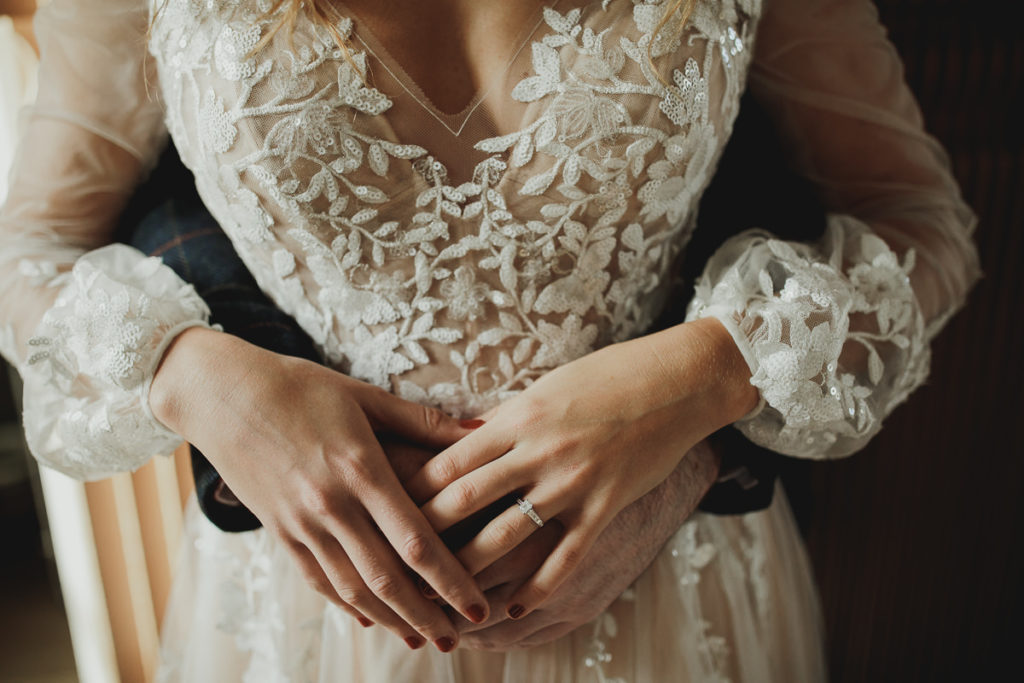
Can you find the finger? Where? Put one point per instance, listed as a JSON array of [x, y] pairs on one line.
[[318, 581], [387, 580], [473, 492], [406, 459], [498, 597], [518, 565], [350, 591], [505, 532], [474, 451], [562, 562], [422, 550], [417, 423], [547, 634], [488, 415], [511, 634]]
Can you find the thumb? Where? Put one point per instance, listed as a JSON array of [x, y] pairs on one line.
[[424, 425]]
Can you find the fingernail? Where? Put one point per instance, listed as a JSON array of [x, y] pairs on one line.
[[428, 592], [445, 644], [471, 424], [415, 643], [516, 611], [364, 622], [476, 613]]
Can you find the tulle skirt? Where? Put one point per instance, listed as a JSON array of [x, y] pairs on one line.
[[727, 599]]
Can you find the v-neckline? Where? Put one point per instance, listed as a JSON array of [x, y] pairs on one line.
[[455, 122]]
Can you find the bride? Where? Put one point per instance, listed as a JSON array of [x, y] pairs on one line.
[[473, 209]]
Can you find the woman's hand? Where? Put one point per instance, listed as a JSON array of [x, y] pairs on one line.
[[296, 443], [585, 441], [621, 553]]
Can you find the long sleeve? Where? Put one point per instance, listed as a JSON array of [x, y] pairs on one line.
[[84, 323], [837, 333]]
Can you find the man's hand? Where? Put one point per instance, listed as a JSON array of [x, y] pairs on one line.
[[623, 551]]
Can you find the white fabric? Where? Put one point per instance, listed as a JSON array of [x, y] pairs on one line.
[[836, 334], [18, 86], [94, 356], [455, 258]]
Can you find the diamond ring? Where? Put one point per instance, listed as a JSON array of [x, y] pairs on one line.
[[526, 507]]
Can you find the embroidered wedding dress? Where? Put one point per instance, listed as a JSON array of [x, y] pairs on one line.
[[455, 258]]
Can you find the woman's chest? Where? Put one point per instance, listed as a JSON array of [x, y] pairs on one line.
[[563, 189], [580, 87]]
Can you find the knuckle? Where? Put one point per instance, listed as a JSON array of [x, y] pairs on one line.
[[531, 411], [433, 419], [352, 596], [563, 443], [577, 474], [385, 586], [416, 549], [604, 509], [427, 627], [503, 533], [355, 465], [464, 495], [443, 469], [571, 557], [539, 595], [319, 501]]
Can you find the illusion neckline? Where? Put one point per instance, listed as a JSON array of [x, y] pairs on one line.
[[454, 122]]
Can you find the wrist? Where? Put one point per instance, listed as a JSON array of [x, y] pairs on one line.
[[180, 374], [737, 396], [704, 361]]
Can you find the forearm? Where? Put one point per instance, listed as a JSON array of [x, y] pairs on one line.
[[667, 506], [697, 371]]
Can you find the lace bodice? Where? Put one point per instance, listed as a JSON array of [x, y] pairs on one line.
[[454, 258], [457, 286]]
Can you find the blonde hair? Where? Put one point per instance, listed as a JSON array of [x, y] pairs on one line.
[[322, 13]]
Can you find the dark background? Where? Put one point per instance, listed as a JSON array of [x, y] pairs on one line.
[[915, 541]]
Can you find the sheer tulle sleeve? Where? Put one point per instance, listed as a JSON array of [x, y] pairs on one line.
[[837, 333], [86, 325]]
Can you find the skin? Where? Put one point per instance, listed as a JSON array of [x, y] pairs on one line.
[[298, 443], [581, 453], [467, 40], [622, 552]]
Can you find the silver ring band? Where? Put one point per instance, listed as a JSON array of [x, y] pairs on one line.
[[526, 507]]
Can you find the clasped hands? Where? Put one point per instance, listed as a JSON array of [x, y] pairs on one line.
[[297, 443]]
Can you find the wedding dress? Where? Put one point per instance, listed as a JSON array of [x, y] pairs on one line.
[[455, 258]]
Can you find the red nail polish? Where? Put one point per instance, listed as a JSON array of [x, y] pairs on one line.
[[516, 611], [364, 622], [414, 643], [471, 424], [476, 613], [445, 644]]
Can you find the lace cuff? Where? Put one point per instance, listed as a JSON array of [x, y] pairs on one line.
[[93, 358], [832, 333]]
